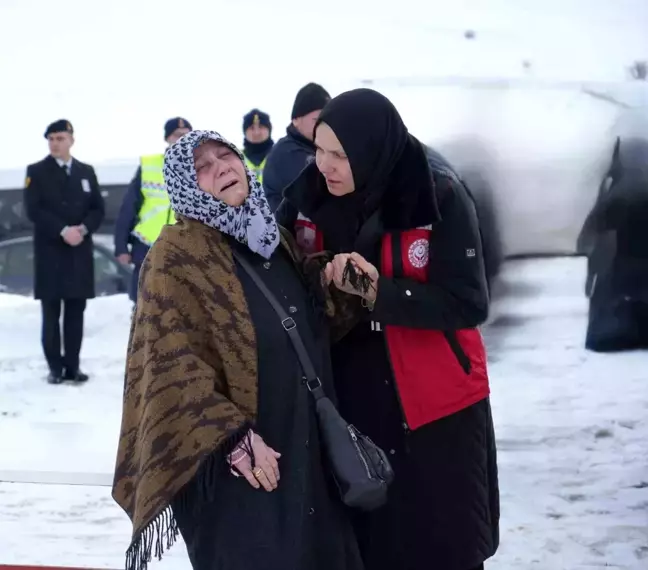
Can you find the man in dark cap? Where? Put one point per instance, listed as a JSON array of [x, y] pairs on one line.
[[145, 209], [63, 200], [291, 153], [257, 143]]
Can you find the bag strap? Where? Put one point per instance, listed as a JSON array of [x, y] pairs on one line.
[[290, 326]]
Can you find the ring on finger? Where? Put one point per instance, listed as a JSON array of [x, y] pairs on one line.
[[257, 472]]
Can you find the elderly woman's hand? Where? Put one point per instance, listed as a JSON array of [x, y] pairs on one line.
[[361, 265], [266, 471]]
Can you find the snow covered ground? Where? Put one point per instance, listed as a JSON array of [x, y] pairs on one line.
[[572, 429]]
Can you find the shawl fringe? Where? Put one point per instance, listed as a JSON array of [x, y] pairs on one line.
[[161, 533]]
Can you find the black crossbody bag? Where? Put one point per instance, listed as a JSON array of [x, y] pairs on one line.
[[361, 469]]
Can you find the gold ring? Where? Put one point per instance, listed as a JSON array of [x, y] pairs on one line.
[[257, 472]]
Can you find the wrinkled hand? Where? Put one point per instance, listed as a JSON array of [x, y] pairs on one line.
[[72, 236], [266, 471], [362, 265], [124, 258]]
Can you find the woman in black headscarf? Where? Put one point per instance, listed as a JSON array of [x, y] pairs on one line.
[[411, 374]]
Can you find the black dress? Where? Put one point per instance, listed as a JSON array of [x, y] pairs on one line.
[[301, 525]]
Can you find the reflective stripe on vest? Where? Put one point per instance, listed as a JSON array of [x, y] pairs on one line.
[[156, 210], [257, 169]]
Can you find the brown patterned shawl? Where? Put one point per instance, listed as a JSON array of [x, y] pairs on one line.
[[191, 378]]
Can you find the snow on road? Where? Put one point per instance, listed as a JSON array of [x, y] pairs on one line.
[[572, 429]]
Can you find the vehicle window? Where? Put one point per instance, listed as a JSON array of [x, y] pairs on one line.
[[19, 261], [104, 266]]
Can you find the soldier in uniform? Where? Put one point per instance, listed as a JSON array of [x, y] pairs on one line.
[[145, 209], [63, 200], [257, 142]]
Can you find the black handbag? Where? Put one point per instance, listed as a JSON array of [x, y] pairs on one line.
[[360, 468]]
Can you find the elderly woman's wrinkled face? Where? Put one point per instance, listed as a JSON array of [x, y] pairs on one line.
[[221, 173], [333, 162]]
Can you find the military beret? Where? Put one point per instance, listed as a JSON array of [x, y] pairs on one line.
[[176, 123], [60, 126], [256, 117]]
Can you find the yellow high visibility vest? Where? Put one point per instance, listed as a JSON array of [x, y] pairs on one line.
[[258, 170], [156, 211]]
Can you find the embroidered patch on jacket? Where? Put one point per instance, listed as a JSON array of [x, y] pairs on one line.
[[419, 253], [27, 181]]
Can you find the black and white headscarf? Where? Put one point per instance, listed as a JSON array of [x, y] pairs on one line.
[[252, 223]]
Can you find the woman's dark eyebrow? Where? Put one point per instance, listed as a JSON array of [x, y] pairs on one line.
[[338, 152]]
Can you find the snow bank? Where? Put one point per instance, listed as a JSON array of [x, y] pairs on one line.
[[572, 430]]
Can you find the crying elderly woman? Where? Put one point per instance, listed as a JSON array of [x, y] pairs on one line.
[[219, 441]]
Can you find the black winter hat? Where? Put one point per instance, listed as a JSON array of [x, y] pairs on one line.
[[176, 123], [311, 97], [60, 126], [256, 117]]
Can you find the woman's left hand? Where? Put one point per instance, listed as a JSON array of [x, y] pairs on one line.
[[362, 265]]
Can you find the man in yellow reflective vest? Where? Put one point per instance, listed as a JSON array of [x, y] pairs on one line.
[[257, 143], [145, 209]]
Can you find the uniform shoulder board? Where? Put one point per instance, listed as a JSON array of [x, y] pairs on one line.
[[27, 181]]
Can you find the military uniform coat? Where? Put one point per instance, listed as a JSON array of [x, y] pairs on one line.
[[53, 200]]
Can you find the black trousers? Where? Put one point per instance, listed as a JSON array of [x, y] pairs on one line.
[[72, 333]]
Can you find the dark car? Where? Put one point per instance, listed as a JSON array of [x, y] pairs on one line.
[[17, 268]]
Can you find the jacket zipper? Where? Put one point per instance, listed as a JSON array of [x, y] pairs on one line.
[[458, 351], [395, 387], [354, 438], [396, 270]]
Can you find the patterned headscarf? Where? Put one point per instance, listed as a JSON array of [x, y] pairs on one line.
[[251, 223]]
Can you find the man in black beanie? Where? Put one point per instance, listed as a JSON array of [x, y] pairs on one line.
[[257, 143], [291, 153]]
